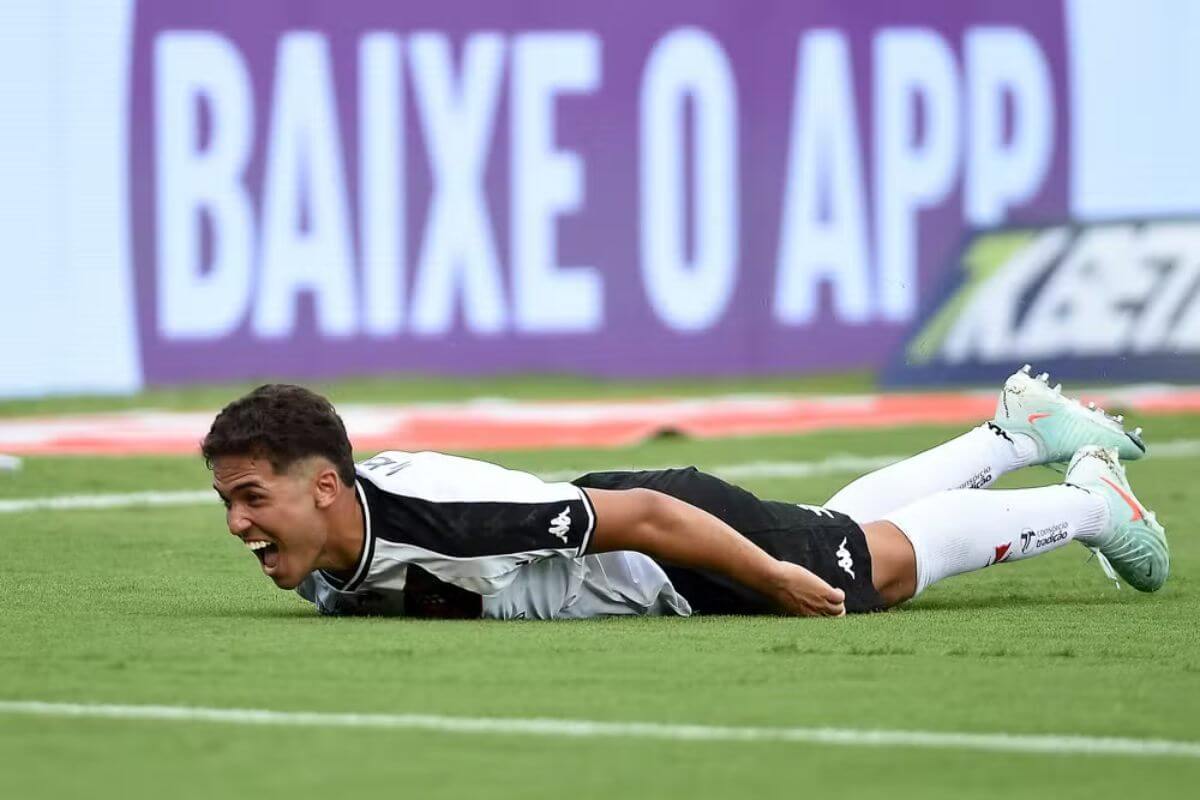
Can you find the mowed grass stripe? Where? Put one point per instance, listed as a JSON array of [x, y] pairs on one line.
[[831, 465], [587, 729]]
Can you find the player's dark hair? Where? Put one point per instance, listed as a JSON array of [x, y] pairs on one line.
[[283, 424]]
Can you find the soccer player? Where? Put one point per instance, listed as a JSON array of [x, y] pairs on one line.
[[432, 535]]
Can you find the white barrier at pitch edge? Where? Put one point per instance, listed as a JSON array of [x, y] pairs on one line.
[[67, 313]]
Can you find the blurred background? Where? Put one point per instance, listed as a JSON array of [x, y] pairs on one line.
[[929, 192]]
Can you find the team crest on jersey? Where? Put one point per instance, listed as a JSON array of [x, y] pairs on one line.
[[561, 524]]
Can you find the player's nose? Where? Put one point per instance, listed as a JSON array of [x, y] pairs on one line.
[[238, 523]]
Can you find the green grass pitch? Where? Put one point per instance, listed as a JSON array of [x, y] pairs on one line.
[[161, 606]]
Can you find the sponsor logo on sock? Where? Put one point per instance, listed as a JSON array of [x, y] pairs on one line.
[[978, 480], [1049, 535], [1026, 537], [1035, 417], [1049, 540], [561, 524], [845, 561], [1002, 551]]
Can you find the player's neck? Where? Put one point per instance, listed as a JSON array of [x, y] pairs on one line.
[[347, 533]]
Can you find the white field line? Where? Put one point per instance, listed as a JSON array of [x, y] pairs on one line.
[[93, 501], [833, 465], [590, 729], [756, 469]]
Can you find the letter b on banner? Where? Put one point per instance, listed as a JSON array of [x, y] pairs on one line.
[[202, 179]]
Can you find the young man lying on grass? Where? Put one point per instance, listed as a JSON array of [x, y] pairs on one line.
[[432, 535]]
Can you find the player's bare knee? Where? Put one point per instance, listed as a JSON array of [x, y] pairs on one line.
[[893, 561]]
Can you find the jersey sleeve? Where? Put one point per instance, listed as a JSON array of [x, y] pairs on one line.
[[471, 523]]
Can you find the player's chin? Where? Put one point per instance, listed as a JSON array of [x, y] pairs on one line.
[[284, 575], [287, 581]]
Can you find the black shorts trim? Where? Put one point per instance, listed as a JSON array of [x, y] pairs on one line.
[[591, 529]]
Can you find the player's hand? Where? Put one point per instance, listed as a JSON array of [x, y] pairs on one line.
[[800, 592]]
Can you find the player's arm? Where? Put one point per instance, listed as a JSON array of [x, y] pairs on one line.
[[667, 528]]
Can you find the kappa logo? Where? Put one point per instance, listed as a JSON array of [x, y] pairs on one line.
[[561, 524], [845, 560], [818, 510]]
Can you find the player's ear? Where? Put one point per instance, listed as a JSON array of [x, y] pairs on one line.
[[326, 485]]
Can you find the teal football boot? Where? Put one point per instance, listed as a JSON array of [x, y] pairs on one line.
[[1057, 424], [1134, 544]]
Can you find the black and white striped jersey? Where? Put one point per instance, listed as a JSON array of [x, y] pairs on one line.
[[466, 522], [433, 519]]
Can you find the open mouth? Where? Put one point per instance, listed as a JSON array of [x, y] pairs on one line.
[[266, 552]]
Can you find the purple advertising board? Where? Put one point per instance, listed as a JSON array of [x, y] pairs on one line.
[[330, 188]]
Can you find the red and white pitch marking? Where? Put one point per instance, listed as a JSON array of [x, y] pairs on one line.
[[502, 424]]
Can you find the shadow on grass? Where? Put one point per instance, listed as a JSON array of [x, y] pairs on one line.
[[309, 613], [243, 612], [976, 602]]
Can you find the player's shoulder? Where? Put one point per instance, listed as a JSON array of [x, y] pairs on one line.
[[388, 458], [403, 472], [448, 478], [392, 462], [383, 465], [383, 468]]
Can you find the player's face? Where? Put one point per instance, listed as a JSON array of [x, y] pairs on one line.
[[275, 514]]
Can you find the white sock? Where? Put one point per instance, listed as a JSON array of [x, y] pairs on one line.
[[963, 530], [973, 460]]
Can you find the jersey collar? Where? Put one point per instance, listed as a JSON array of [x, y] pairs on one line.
[[368, 548]]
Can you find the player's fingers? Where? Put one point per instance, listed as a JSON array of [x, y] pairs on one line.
[[827, 608], [825, 590], [814, 607]]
